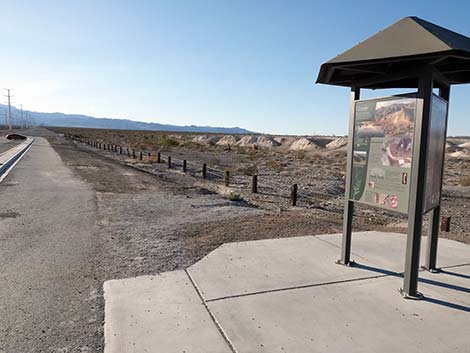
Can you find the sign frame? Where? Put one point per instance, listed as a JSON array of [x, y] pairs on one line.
[[412, 95]]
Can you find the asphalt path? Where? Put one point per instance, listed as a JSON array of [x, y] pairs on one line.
[[49, 293]]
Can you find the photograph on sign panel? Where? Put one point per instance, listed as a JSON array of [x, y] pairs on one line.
[[382, 156]]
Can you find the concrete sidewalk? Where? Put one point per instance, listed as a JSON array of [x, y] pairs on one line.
[[288, 295]]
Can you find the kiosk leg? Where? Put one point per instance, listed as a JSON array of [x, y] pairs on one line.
[[349, 205], [413, 244], [347, 234], [433, 235], [418, 180]]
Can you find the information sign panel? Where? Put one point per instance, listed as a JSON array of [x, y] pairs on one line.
[[382, 152]]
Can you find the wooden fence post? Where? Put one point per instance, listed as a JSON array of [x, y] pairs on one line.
[[133, 153], [140, 155], [169, 162], [294, 194], [159, 157], [120, 149], [204, 171], [184, 166], [254, 184], [227, 178], [148, 155]]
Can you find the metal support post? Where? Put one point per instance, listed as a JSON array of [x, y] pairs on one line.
[[418, 181], [349, 205]]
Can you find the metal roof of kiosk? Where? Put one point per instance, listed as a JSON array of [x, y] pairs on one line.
[[398, 50]]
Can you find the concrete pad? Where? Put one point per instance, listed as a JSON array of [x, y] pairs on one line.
[[454, 282], [255, 266], [287, 295], [160, 313], [387, 250], [366, 316]]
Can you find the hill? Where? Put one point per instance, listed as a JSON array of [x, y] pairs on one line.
[[85, 121]]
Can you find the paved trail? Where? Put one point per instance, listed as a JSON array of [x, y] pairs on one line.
[[48, 287]]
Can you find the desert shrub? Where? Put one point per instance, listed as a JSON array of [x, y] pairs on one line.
[[233, 196], [465, 181], [168, 142], [300, 154], [194, 146], [274, 165], [252, 155]]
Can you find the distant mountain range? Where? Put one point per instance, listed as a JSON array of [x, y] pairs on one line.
[[76, 120]]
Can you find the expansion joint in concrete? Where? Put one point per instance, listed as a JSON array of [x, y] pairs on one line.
[[299, 287], [213, 318]]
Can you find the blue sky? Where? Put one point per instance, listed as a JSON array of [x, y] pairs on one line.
[[222, 63]]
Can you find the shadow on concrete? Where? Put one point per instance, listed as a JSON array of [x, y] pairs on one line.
[[426, 281], [447, 304], [461, 275]]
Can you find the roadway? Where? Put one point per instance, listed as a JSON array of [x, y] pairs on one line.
[[48, 288]]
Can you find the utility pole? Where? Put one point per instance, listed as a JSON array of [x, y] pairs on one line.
[[22, 122], [9, 107]]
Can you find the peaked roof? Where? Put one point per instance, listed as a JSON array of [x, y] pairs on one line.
[[409, 43]]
